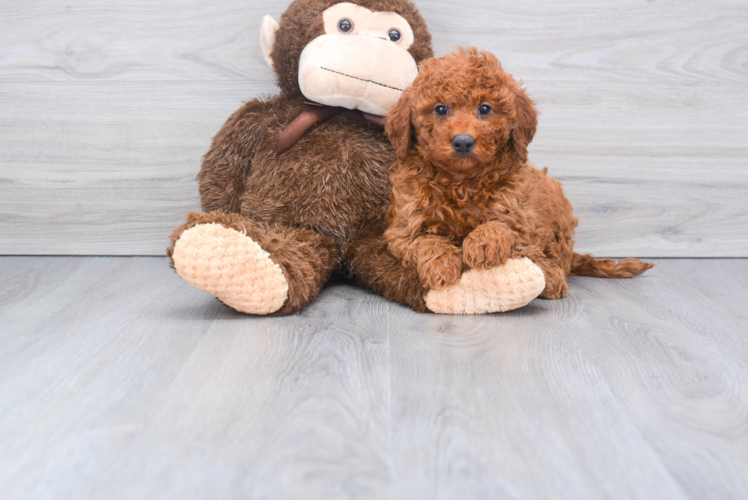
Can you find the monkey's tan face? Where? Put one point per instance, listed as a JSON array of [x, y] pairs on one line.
[[360, 62]]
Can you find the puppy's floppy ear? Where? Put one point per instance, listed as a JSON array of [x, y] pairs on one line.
[[398, 126], [525, 125]]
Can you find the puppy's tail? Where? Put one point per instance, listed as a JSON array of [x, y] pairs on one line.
[[587, 265]]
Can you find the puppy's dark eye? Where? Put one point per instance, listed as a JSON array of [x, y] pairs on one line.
[[345, 25], [484, 110], [394, 35], [441, 110]]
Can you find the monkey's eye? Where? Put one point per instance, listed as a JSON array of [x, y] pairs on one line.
[[394, 35], [484, 110], [441, 110], [345, 25]]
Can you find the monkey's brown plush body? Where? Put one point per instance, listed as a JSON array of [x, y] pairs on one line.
[[312, 208], [274, 226]]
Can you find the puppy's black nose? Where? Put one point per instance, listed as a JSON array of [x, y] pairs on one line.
[[463, 143]]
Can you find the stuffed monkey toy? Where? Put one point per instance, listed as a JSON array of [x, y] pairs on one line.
[[295, 187]]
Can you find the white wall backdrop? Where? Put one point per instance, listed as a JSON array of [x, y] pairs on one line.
[[107, 106]]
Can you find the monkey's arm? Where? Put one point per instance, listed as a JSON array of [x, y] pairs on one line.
[[229, 159]]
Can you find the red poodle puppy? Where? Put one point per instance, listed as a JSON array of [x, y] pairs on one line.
[[463, 193]]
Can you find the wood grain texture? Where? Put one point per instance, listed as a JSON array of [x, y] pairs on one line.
[[118, 380], [617, 391], [105, 111], [94, 170], [155, 40], [105, 170]]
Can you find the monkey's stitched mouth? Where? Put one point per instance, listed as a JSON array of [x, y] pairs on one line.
[[361, 79]]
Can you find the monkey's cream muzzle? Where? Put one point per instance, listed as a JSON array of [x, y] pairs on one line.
[[356, 72]]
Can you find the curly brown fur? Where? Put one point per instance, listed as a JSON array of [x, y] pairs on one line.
[[319, 201], [451, 211], [587, 265]]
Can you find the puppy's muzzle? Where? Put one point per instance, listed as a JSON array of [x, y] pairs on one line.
[[463, 144]]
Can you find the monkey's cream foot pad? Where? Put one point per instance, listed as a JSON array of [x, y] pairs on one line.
[[501, 289], [231, 266]]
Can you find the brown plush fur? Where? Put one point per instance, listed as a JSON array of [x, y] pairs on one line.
[[321, 206], [454, 211]]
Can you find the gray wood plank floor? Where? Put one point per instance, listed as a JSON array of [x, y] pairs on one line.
[[118, 380]]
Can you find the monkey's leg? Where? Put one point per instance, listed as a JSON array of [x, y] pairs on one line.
[[371, 265], [504, 288], [252, 269]]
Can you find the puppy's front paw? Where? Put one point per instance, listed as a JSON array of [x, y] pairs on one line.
[[486, 249], [441, 271]]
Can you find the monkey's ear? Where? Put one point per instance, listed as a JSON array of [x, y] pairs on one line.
[[398, 126], [267, 38], [526, 124]]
